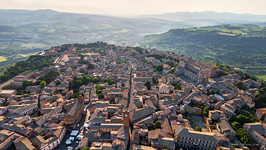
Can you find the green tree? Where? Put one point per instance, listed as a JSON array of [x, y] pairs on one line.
[[199, 129], [152, 126], [85, 79], [85, 148], [76, 84], [38, 113], [8, 87], [240, 84], [212, 92], [177, 86], [154, 80], [111, 101], [217, 92], [48, 77], [158, 124], [90, 66], [58, 82], [26, 83], [95, 80], [159, 68], [205, 112], [100, 95], [236, 125], [75, 95], [172, 70], [110, 82], [244, 136], [148, 85], [42, 84]]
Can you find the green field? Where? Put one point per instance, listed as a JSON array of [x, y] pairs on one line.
[[263, 77], [2, 58], [33, 45]]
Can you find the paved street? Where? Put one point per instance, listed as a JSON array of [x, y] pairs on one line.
[[63, 145]]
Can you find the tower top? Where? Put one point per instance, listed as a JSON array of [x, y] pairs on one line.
[[80, 98]]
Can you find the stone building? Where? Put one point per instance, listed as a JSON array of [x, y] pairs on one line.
[[75, 112], [195, 71], [257, 132], [261, 113], [190, 139]]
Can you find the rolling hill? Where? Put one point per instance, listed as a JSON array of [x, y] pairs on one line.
[[24, 32], [240, 46]]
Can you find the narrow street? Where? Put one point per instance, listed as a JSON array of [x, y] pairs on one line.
[[130, 85], [63, 145]]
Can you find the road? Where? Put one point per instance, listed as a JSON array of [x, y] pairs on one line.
[[6, 83], [130, 84], [63, 145]]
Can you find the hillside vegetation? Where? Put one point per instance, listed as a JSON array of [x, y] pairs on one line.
[[24, 32], [241, 46]]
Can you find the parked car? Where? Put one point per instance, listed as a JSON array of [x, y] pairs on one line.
[[68, 142]]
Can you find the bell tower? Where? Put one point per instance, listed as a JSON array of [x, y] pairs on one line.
[[126, 122]]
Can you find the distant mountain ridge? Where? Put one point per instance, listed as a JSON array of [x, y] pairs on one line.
[[207, 15]]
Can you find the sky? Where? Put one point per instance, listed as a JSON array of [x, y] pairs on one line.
[[139, 7]]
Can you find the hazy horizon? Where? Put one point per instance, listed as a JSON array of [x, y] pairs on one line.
[[139, 7]]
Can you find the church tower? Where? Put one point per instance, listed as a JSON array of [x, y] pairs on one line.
[[126, 122]]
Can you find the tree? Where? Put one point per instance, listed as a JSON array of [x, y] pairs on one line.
[[75, 95], [100, 95], [244, 136], [111, 101], [152, 126], [90, 66], [76, 84], [177, 86], [26, 83], [199, 129], [95, 80], [236, 125], [159, 68], [217, 92], [212, 92], [158, 124], [205, 112], [58, 82], [240, 84], [148, 85], [85, 79], [110, 82], [85, 148], [8, 87], [172, 70], [48, 77], [154, 80], [42, 84], [38, 113]]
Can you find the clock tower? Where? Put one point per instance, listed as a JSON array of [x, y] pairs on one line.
[[126, 118]]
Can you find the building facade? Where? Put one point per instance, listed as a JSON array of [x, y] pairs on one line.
[[195, 71]]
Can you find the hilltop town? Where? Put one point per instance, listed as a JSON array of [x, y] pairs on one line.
[[99, 96]]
